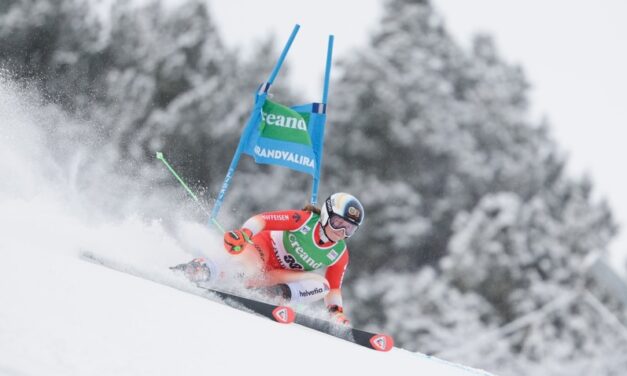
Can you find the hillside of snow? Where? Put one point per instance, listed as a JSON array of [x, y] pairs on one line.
[[64, 316]]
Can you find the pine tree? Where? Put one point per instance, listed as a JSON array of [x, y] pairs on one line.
[[438, 142], [395, 127], [57, 44]]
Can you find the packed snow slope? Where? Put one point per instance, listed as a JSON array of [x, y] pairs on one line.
[[61, 315], [64, 316]]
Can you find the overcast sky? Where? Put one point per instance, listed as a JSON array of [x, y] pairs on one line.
[[573, 52]]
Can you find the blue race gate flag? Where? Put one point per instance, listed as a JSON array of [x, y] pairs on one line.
[[286, 137], [275, 134]]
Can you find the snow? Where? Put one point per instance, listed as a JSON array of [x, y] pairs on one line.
[[61, 315]]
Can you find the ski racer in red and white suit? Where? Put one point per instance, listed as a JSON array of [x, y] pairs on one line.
[[286, 247]]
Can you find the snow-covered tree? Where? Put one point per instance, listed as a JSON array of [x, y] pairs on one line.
[[424, 311], [454, 174]]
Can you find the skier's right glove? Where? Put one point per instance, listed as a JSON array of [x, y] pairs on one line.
[[234, 241]]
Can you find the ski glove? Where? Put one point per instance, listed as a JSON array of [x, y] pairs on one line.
[[337, 315], [234, 241]]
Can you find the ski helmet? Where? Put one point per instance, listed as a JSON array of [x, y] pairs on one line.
[[342, 211]]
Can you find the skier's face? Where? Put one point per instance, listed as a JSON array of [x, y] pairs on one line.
[[335, 235], [338, 223]]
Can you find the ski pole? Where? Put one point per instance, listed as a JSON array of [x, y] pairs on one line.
[[204, 209]]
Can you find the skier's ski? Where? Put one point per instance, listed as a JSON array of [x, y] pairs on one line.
[[375, 341], [279, 313]]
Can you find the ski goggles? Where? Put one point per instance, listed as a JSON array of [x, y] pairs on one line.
[[338, 223]]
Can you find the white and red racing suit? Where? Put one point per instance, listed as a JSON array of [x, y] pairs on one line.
[[291, 245]]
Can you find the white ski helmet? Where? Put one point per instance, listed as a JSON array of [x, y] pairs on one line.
[[342, 211]]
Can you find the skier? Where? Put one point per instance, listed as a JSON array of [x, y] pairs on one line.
[[285, 247]]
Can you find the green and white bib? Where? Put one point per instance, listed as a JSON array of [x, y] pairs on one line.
[[298, 249]]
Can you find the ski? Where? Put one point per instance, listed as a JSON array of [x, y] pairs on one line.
[[374, 341], [279, 313]]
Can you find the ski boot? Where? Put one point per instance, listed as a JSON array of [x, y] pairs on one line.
[[280, 291], [198, 271]]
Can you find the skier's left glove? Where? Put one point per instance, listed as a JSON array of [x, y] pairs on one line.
[[234, 241], [337, 315]]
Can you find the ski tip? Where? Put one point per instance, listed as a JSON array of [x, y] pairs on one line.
[[382, 342], [284, 315]]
